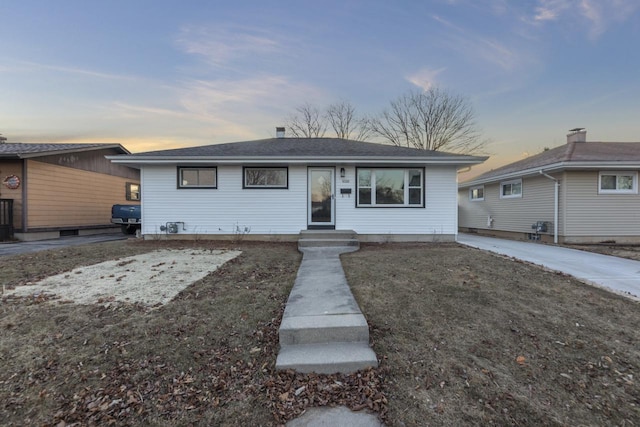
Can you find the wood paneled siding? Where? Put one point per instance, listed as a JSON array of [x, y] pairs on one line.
[[511, 214], [591, 214], [284, 211], [60, 197], [13, 167], [93, 161]]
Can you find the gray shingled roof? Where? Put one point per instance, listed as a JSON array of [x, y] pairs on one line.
[[566, 155], [19, 150], [308, 148]]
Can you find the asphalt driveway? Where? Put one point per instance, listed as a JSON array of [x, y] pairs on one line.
[[41, 245], [619, 274]]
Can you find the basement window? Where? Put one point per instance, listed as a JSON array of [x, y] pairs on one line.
[[511, 189], [197, 177], [618, 183]]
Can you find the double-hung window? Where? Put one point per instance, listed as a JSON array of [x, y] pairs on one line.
[[390, 187], [511, 189], [476, 194], [266, 177], [618, 183], [197, 177]]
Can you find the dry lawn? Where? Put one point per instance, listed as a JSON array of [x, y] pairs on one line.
[[464, 337], [471, 338]]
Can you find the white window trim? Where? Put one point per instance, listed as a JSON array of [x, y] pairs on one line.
[[372, 187], [511, 196], [633, 174], [477, 199]]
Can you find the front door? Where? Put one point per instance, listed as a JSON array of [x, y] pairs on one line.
[[321, 199]]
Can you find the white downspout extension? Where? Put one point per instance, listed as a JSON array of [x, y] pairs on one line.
[[555, 206]]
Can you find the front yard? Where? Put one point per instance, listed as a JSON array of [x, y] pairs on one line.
[[464, 337]]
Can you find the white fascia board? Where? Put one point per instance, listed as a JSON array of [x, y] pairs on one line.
[[131, 160], [555, 167]]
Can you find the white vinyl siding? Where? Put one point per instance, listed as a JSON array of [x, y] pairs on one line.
[[219, 211], [284, 211]]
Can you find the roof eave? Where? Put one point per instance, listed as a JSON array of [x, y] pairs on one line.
[[158, 160], [554, 167], [73, 150]]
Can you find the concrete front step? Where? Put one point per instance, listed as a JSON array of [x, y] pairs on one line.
[[323, 329], [328, 234], [327, 358], [318, 243]]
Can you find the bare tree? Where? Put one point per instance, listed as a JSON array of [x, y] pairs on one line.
[[306, 122], [345, 123], [430, 120], [309, 122]]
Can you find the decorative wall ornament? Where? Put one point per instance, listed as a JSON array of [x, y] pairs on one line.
[[12, 182]]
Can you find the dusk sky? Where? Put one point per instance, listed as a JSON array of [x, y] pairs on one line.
[[157, 74]]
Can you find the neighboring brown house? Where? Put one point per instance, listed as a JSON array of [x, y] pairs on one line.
[[62, 189], [580, 192]]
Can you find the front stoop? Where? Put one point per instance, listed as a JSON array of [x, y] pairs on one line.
[[328, 238], [323, 329]]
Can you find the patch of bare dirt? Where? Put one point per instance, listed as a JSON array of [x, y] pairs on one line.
[[151, 279]]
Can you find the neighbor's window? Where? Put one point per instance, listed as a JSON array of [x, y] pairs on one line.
[[197, 178], [510, 189], [618, 183], [265, 178], [390, 187], [476, 193], [133, 191]]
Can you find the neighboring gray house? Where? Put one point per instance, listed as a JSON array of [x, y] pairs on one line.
[[274, 188], [580, 192]]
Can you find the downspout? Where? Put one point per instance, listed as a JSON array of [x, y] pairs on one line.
[[555, 205]]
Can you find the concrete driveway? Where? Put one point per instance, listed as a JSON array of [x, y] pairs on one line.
[[41, 245], [619, 274]]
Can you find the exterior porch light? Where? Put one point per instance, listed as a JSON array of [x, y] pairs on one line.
[[343, 173]]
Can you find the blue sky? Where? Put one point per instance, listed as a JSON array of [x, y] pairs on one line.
[[161, 74]]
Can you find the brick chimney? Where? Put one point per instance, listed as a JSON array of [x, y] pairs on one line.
[[2, 139], [577, 135], [279, 132]]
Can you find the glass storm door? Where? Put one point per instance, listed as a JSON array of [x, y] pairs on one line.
[[321, 199]]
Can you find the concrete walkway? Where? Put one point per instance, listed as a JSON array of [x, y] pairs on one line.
[[618, 274], [323, 329]]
